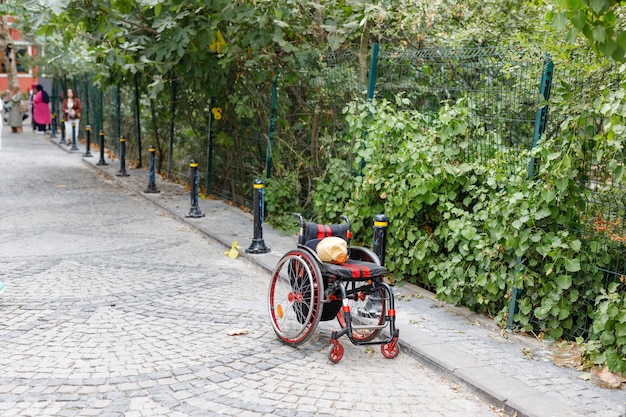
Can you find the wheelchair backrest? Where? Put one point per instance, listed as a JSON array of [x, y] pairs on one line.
[[314, 231]]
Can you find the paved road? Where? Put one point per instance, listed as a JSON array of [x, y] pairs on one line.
[[113, 307]]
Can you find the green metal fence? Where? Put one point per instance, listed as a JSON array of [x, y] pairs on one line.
[[503, 83], [598, 223], [271, 117]]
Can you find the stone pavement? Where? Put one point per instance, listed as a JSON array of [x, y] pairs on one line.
[[510, 371]]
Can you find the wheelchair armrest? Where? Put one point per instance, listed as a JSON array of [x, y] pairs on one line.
[[363, 254]]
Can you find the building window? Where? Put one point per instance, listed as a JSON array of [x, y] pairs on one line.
[[20, 53]]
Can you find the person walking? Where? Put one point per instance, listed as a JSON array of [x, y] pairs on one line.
[[31, 105], [41, 109], [71, 108], [15, 113], [1, 120]]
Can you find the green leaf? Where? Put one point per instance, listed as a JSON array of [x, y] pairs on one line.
[[578, 19], [559, 20], [544, 212], [599, 33], [621, 40], [608, 47], [572, 265], [562, 184], [563, 282], [571, 36], [618, 172], [598, 6]]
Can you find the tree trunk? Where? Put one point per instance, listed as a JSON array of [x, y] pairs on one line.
[[8, 52]]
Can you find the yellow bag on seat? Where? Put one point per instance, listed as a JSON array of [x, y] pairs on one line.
[[333, 249]]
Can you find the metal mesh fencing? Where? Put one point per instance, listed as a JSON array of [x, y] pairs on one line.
[[503, 84]]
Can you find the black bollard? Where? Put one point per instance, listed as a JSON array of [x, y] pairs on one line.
[[101, 161], [62, 140], [380, 236], [122, 172], [53, 133], [74, 147], [374, 303], [258, 245], [194, 211], [152, 188], [87, 153]]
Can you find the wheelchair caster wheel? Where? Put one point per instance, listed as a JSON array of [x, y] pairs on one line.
[[390, 350], [335, 351]]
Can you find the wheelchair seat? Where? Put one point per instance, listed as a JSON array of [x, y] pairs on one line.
[[352, 268]]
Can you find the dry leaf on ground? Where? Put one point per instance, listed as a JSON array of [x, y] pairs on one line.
[[238, 332]]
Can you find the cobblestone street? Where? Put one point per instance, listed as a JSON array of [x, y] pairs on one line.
[[114, 308]]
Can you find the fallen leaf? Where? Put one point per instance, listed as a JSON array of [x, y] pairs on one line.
[[238, 332], [605, 378], [233, 252]]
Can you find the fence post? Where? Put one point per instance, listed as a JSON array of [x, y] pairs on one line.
[[194, 211], [118, 110], [152, 188], [268, 153], [542, 112], [87, 104], [258, 245], [122, 172], [540, 127], [370, 94], [87, 153], [138, 121], [209, 151], [170, 152]]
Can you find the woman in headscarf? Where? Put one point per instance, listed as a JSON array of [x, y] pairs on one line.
[[41, 109]]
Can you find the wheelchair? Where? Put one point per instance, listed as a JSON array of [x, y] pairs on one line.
[[304, 290]]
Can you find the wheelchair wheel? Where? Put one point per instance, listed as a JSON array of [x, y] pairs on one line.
[[390, 350], [335, 351], [295, 297], [368, 307]]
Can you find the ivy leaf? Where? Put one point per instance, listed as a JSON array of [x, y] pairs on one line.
[[548, 196], [572, 265], [564, 282], [544, 212]]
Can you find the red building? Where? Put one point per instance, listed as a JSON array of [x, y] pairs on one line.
[[25, 76]]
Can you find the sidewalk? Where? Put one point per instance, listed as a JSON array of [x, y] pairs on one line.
[[512, 372]]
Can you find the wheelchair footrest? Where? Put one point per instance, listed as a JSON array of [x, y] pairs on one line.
[[365, 327]]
